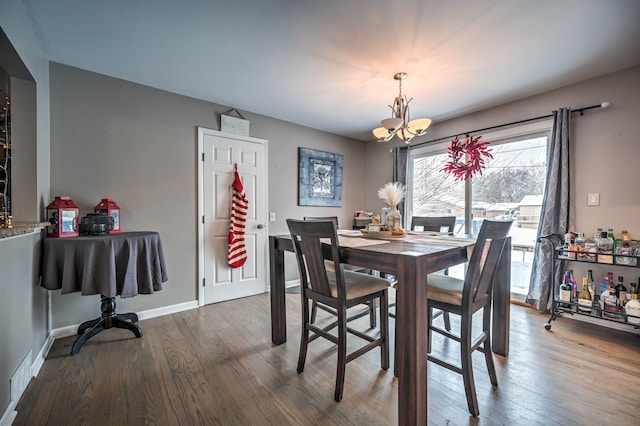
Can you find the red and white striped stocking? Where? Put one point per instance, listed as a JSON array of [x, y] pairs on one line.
[[239, 204]]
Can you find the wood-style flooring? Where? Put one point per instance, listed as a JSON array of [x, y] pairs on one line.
[[217, 366]]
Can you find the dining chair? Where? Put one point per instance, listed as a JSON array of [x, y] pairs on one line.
[[371, 307], [338, 288], [466, 297], [436, 224], [429, 224]]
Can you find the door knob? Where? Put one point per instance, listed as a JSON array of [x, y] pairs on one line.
[[260, 226]]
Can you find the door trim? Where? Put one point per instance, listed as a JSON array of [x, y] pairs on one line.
[[202, 131]]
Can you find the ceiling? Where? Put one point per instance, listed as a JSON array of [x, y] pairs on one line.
[[329, 64]]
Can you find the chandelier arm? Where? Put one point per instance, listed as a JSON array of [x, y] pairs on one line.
[[400, 111]]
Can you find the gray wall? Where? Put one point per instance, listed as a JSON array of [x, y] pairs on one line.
[[604, 156], [605, 151], [23, 305], [137, 145], [23, 312]]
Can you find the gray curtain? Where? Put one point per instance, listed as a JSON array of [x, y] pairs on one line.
[[555, 215], [400, 158]]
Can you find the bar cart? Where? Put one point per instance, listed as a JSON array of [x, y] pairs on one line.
[[561, 307]]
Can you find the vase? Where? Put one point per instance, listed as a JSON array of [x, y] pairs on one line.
[[394, 220]]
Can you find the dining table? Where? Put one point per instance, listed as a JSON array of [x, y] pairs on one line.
[[123, 264], [411, 258]]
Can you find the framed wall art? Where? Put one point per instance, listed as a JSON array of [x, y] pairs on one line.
[[319, 178]]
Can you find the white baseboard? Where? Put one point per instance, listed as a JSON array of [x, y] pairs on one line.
[[292, 283], [38, 362], [166, 310], [72, 330], [9, 415]]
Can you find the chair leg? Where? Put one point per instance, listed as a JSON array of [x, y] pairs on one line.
[[372, 314], [429, 325], [342, 353], [447, 321], [384, 330], [467, 366], [314, 311], [396, 354], [304, 338], [488, 353]]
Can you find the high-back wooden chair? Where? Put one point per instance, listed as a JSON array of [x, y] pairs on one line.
[[434, 223], [371, 308], [466, 297], [337, 288], [429, 224]]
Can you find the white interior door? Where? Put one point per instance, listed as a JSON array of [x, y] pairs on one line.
[[219, 153]]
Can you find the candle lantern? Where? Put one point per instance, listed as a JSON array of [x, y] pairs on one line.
[[63, 214], [109, 207]]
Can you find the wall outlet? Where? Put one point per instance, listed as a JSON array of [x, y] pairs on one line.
[[272, 216]]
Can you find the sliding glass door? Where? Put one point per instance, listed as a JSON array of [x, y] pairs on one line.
[[510, 187]]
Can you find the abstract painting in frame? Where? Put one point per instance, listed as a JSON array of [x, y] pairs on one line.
[[320, 178]]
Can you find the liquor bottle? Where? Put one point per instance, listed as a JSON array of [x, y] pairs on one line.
[[613, 240], [567, 245], [610, 303], [565, 291], [621, 292], [574, 286], [591, 285], [632, 309], [584, 298], [603, 287]]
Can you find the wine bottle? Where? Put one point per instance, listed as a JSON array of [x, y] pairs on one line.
[[621, 292], [585, 299], [591, 285], [565, 291]]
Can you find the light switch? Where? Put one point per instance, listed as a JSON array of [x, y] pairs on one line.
[[272, 216], [593, 199]]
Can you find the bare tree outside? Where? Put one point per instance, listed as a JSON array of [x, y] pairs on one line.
[[433, 189], [509, 184], [505, 189]]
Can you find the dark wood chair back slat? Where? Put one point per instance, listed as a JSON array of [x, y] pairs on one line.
[[307, 236], [434, 223], [484, 261]]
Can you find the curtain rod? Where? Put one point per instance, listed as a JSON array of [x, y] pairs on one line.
[[542, 117]]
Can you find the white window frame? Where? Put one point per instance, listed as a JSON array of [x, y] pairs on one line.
[[497, 137]]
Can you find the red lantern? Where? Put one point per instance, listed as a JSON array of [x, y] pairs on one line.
[[63, 214], [109, 207]]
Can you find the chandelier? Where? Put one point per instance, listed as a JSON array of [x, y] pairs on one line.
[[400, 123]]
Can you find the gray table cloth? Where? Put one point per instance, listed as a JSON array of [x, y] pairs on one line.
[[125, 264]]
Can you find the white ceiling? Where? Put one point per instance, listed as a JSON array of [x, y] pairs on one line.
[[329, 64]]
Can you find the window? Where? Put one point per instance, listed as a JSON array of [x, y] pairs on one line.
[[510, 187]]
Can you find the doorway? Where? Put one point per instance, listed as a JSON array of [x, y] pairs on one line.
[[219, 153]]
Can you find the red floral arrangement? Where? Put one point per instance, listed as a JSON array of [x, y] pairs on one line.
[[467, 157]]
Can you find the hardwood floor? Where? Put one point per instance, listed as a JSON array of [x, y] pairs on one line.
[[216, 366]]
